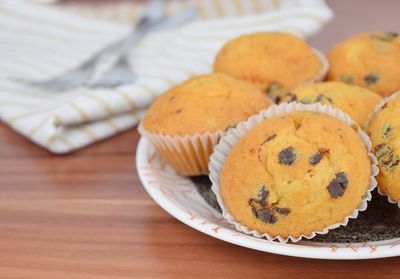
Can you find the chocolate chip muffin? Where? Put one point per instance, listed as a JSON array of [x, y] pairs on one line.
[[356, 101], [370, 60], [186, 122], [384, 130], [273, 61], [295, 174]]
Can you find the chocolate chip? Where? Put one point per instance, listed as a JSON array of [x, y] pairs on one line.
[[178, 111], [283, 211], [262, 211], [342, 179], [261, 197], [263, 193], [266, 216], [316, 157], [322, 98], [384, 154], [338, 185], [254, 211], [384, 106], [392, 34], [346, 78], [263, 202], [335, 189], [395, 164], [387, 36], [371, 78], [287, 156], [386, 131], [290, 97]]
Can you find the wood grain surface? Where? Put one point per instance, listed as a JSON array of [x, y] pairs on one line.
[[86, 215]]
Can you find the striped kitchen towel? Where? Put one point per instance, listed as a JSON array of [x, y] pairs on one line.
[[39, 41]]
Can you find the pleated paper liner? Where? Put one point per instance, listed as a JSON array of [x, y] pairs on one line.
[[377, 109], [189, 154], [227, 142], [325, 66]]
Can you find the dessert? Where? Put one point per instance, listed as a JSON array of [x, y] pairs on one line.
[[275, 62], [186, 122], [384, 131], [370, 60], [294, 174], [356, 101]]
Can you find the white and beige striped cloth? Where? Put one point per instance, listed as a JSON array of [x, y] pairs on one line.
[[39, 41]]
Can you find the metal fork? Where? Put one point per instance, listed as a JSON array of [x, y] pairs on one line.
[[153, 18], [121, 72]]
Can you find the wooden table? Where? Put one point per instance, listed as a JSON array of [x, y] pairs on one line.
[[86, 215]]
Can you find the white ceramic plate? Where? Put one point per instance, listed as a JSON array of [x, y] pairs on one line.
[[178, 196]]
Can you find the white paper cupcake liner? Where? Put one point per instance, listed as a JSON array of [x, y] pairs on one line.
[[325, 66], [377, 109], [227, 142], [189, 154]]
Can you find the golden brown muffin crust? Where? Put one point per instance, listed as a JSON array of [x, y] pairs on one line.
[[273, 61], [370, 60], [356, 101], [206, 103]]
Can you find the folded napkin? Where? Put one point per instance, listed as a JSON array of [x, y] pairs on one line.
[[37, 42]]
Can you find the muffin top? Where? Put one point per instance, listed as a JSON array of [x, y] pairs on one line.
[[384, 130], [273, 61], [356, 101], [206, 103], [370, 60], [294, 174]]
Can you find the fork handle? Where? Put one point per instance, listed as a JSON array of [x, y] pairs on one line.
[[144, 27], [122, 44]]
